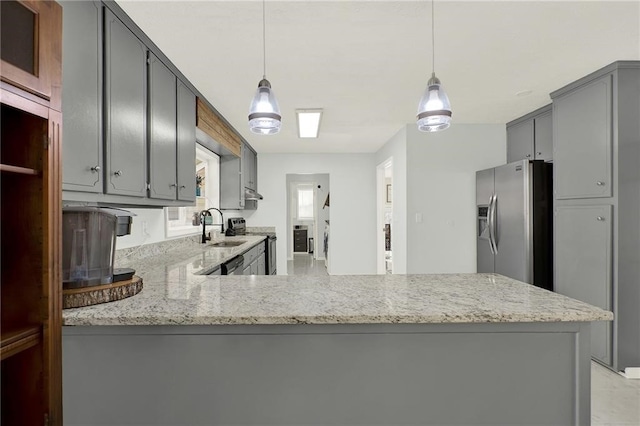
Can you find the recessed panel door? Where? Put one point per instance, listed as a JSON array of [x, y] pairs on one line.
[[162, 131], [125, 109], [583, 247]]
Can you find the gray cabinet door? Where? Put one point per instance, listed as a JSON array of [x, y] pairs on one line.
[[249, 168], [231, 183], [82, 96], [246, 270], [162, 131], [520, 141], [262, 265], [186, 144], [125, 109], [543, 137], [582, 141], [583, 247]]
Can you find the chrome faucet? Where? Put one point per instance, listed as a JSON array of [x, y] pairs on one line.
[[205, 213]]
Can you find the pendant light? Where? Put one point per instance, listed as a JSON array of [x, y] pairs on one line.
[[434, 109], [264, 112]]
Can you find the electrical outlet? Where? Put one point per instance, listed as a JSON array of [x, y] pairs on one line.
[[145, 228]]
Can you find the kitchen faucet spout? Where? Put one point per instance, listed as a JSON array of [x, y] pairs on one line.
[[205, 213]]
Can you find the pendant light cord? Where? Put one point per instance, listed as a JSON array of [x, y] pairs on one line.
[[264, 44], [433, 41]]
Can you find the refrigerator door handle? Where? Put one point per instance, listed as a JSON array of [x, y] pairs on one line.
[[494, 223], [490, 223]]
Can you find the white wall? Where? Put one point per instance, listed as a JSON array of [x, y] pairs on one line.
[[396, 148], [146, 227], [353, 219], [441, 186]]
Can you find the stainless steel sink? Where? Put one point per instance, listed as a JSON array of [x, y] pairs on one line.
[[228, 243]]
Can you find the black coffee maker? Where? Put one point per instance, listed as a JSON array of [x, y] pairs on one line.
[[89, 245]]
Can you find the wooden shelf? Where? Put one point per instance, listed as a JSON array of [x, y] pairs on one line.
[[18, 170], [17, 341]]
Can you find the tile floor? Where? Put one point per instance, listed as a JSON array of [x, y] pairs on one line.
[[615, 400], [305, 264]]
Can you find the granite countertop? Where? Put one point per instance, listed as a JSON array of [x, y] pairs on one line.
[[175, 293]]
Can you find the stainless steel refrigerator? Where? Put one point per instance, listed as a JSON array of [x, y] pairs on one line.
[[514, 221]]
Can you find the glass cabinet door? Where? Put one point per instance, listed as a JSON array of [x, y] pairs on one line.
[[28, 47]]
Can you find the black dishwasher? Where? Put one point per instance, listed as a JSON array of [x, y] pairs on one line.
[[233, 266]]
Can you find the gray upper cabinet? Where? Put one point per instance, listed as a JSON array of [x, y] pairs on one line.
[[543, 130], [249, 167], [126, 112], [529, 137], [162, 131], [186, 116], [231, 183], [582, 141], [583, 265], [520, 141], [82, 96]]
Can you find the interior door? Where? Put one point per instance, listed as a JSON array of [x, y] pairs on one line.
[[484, 191], [513, 229]]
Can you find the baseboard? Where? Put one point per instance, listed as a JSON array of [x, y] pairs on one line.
[[631, 373]]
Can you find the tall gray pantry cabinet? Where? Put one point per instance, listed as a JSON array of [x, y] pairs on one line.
[[596, 137]]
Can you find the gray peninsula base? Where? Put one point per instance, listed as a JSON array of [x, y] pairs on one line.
[[337, 374]]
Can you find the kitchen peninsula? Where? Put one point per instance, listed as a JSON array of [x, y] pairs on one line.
[[290, 350]]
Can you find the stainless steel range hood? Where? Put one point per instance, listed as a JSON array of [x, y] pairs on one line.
[[251, 195]]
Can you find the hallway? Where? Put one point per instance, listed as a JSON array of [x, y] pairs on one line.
[[305, 264]]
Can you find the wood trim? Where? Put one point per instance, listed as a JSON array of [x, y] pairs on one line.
[[52, 263], [18, 170], [24, 104], [19, 340], [210, 123]]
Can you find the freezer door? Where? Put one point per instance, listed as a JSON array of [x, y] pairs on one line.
[[484, 192], [513, 234]]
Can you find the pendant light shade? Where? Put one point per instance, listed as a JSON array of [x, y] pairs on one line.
[[264, 113], [434, 109]]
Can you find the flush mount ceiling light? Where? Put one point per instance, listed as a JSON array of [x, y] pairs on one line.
[[308, 122], [434, 109], [264, 112]]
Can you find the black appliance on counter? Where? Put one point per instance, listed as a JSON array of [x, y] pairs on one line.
[[238, 226]]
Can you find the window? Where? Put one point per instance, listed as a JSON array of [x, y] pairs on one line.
[[179, 221], [306, 205]]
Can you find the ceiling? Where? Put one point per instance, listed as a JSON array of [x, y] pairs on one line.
[[366, 63]]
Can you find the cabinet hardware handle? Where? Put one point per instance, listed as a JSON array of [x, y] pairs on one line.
[[528, 155], [118, 173], [173, 185], [539, 153], [600, 183], [95, 169], [600, 219], [182, 187]]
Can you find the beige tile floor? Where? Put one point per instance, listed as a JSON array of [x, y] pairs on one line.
[[615, 400], [305, 264]]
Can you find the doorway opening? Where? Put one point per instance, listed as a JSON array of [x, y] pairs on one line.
[[308, 224], [384, 174]]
